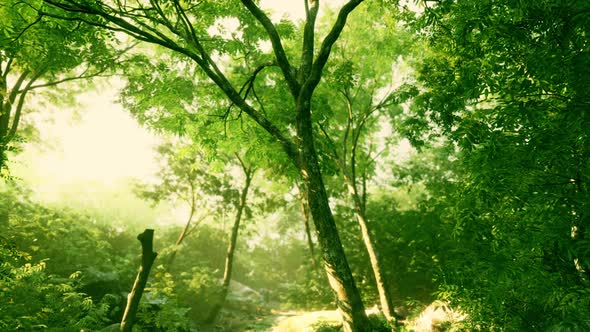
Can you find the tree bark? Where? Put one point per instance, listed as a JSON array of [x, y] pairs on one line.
[[302, 152], [306, 218], [231, 248], [147, 260], [376, 265], [181, 237], [339, 274]]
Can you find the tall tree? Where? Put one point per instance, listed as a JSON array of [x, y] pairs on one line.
[[506, 82], [190, 176], [37, 52], [364, 99], [182, 27], [187, 177], [233, 240]]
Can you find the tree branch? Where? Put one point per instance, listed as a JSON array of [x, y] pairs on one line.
[[83, 75], [248, 85], [148, 256], [152, 36], [67, 79], [277, 46], [308, 39], [6, 68], [19, 107], [203, 59], [325, 49], [27, 28], [349, 120], [7, 106], [335, 156]]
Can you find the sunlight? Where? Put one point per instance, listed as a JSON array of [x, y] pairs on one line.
[[106, 145], [285, 174], [293, 10]]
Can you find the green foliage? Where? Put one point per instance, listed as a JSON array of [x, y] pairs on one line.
[[492, 214], [412, 239], [32, 299], [70, 240], [501, 81], [326, 327], [308, 292], [37, 51], [59, 270], [378, 324], [188, 175], [160, 309]]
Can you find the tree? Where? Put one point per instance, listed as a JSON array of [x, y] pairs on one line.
[[231, 247], [148, 256], [188, 175], [37, 52], [505, 82], [367, 98], [182, 28], [185, 176]]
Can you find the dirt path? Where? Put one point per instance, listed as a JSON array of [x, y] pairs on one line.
[[292, 321]]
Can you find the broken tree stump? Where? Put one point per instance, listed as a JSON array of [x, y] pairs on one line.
[[147, 260]]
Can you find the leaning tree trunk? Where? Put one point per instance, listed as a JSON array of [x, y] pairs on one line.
[[340, 277], [304, 205], [181, 237], [231, 248], [376, 265], [147, 260], [301, 83]]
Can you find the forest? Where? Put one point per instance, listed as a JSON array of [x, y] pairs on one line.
[[347, 165]]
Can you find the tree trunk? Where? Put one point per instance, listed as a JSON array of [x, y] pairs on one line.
[[147, 260], [181, 237], [340, 277], [376, 265], [306, 217], [231, 248]]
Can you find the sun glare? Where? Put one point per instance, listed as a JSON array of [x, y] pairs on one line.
[[105, 145]]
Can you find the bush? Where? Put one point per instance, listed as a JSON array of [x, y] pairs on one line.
[[32, 299]]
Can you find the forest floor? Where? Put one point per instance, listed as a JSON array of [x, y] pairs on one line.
[[304, 321], [275, 321], [295, 321]]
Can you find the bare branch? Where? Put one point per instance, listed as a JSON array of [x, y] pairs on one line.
[[349, 120], [22, 32], [195, 224], [333, 147], [248, 85], [67, 79]]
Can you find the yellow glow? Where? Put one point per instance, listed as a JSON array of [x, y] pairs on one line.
[[105, 145]]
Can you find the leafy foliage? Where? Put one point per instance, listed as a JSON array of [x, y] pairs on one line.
[[502, 83], [42, 285], [37, 52], [491, 214]]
